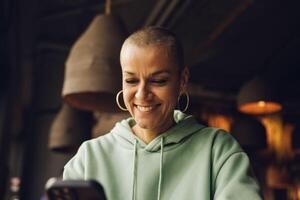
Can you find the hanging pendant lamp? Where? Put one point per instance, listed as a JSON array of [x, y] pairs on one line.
[[69, 129], [250, 133], [93, 72], [255, 97]]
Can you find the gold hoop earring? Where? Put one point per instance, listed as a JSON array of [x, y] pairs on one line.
[[187, 101], [117, 100]]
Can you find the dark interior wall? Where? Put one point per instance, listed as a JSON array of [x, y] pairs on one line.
[[40, 162], [36, 65], [31, 80], [6, 85]]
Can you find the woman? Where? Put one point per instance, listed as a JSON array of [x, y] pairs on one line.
[[160, 152]]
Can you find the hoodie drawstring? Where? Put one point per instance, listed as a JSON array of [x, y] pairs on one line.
[[160, 169], [134, 170]]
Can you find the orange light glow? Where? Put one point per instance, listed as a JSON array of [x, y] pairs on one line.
[[294, 193], [278, 136], [219, 121], [261, 107], [278, 177], [261, 104]]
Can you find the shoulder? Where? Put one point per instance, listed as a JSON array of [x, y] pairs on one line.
[[87, 154], [219, 139], [225, 142], [94, 147], [221, 144]]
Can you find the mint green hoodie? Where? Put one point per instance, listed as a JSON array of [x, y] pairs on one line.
[[187, 162]]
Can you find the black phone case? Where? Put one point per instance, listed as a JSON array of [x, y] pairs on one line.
[[76, 190]]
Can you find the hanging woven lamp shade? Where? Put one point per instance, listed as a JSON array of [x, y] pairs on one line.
[[69, 129], [255, 97], [93, 72], [250, 133]]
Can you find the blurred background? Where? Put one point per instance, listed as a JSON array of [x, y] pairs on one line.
[[60, 73]]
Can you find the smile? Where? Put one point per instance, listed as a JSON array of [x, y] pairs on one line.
[[145, 108]]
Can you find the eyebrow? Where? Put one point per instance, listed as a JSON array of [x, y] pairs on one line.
[[152, 74]]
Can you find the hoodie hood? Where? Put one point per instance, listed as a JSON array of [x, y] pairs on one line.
[[185, 126]]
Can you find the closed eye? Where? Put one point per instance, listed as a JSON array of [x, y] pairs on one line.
[[159, 81], [131, 81]]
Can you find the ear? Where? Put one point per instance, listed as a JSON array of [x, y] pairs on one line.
[[184, 79]]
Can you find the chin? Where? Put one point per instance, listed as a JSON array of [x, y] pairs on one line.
[[146, 125]]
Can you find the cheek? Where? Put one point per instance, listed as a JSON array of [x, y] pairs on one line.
[[127, 96], [169, 96]]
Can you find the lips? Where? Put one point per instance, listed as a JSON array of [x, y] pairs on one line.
[[146, 108]]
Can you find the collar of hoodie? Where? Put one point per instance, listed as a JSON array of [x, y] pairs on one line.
[[185, 126]]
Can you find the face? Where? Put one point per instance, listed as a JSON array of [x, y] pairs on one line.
[[151, 85]]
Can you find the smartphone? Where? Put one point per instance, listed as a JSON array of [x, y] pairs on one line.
[[76, 190]]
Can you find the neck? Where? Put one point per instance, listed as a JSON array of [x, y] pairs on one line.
[[147, 135]]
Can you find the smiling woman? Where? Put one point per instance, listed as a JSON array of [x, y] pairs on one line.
[[160, 152], [151, 87], [153, 78]]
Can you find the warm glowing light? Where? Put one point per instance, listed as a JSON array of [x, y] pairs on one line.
[[261, 104], [218, 120], [294, 193], [261, 107], [278, 177], [278, 136]]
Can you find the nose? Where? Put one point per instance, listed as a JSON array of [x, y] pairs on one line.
[[143, 92]]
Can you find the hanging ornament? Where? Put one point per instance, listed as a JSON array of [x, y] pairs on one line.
[[69, 129], [93, 71]]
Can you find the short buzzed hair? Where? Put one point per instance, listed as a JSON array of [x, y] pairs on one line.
[[159, 36]]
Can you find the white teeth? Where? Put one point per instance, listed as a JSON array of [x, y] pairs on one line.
[[145, 108]]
